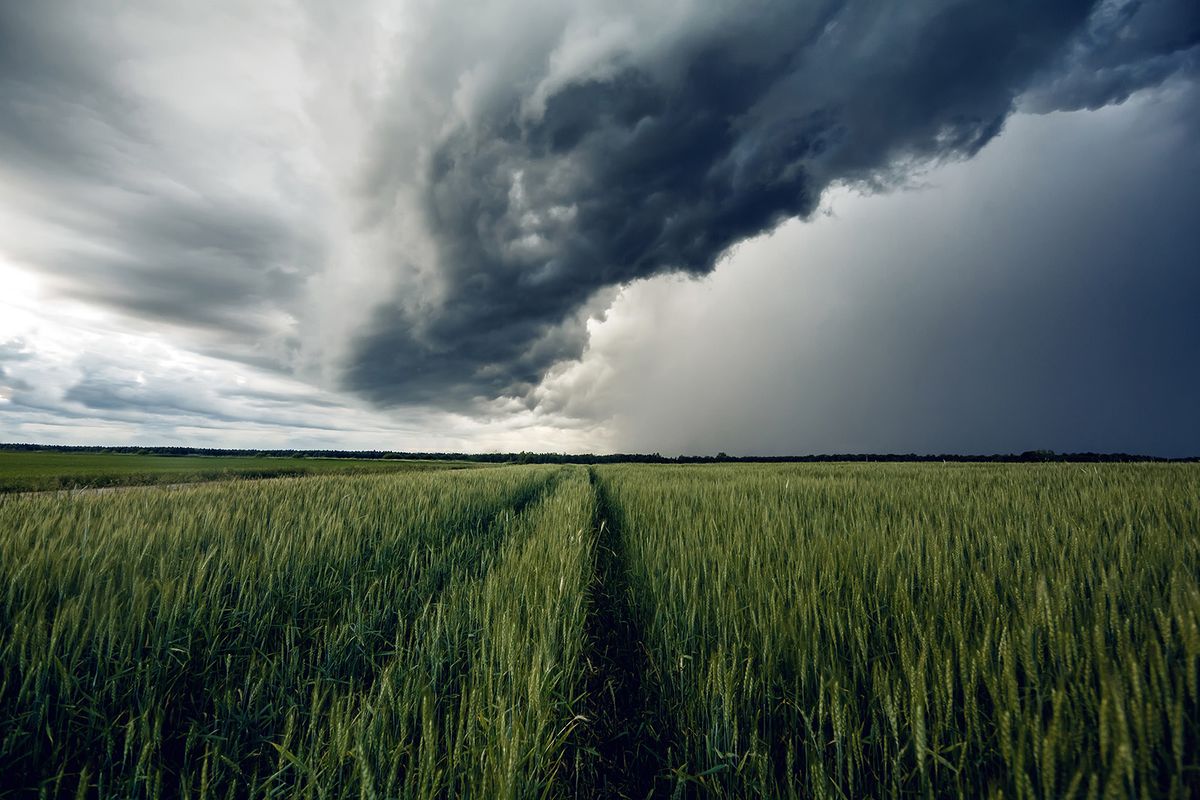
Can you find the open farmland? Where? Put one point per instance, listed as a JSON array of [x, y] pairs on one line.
[[34, 471], [729, 631]]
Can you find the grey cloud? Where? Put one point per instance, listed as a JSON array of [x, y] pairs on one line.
[[660, 155], [100, 393], [56, 92], [1041, 297], [11, 384], [131, 390], [206, 262], [278, 400], [1124, 47], [125, 212], [14, 350], [525, 158], [116, 393]]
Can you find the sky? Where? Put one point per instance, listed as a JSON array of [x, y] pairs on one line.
[[763, 228]]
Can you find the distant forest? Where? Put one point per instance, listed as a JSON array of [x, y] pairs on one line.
[[1029, 456]]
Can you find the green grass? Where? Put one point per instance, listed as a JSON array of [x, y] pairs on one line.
[[32, 471], [940, 630], [362, 636], [726, 631]]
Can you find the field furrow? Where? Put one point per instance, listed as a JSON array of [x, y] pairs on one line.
[[622, 755]]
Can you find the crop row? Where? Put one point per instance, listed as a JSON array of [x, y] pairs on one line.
[[317, 637], [740, 631], [880, 630]]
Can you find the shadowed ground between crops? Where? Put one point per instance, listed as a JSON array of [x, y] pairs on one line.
[[622, 752]]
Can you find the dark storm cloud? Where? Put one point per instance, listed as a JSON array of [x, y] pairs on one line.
[[1043, 296], [1124, 47], [661, 154], [524, 158], [125, 213]]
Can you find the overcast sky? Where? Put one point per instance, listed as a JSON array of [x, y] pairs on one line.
[[688, 226]]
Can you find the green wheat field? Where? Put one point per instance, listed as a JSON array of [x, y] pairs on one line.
[[822, 630]]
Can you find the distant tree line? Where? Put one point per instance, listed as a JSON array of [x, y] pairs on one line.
[[525, 457]]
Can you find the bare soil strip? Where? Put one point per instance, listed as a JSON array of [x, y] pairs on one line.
[[621, 755]]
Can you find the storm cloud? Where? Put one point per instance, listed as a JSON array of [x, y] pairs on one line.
[[1042, 295], [425, 220], [598, 146]]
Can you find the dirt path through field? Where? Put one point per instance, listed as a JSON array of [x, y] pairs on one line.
[[626, 739]]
